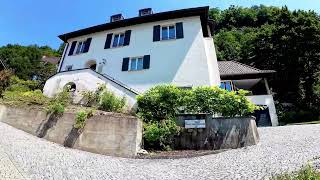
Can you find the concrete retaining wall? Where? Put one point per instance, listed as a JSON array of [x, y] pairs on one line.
[[219, 133], [110, 133]]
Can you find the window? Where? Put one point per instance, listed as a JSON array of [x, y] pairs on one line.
[[69, 68], [118, 40], [168, 32], [80, 47], [136, 64], [227, 85]]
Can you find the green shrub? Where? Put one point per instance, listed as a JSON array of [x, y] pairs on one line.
[[55, 108], [160, 102], [306, 173], [81, 118], [58, 103], [90, 98], [160, 134], [205, 100], [165, 101], [63, 97], [17, 84], [109, 102], [25, 98], [21, 92]]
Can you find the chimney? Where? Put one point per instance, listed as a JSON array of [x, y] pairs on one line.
[[117, 17], [145, 12]]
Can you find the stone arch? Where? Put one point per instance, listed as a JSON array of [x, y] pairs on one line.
[[71, 85]]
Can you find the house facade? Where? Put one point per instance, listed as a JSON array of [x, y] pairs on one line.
[[132, 55]]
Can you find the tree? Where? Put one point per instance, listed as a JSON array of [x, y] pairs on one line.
[[275, 38], [26, 62]]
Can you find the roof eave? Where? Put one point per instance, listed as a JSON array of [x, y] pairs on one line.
[[199, 11], [262, 74]]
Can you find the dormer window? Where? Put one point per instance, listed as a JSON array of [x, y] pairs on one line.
[[145, 12], [168, 32], [118, 40]]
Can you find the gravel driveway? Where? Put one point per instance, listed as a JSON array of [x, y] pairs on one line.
[[23, 156]]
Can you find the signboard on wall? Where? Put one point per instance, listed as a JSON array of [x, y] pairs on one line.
[[195, 124]]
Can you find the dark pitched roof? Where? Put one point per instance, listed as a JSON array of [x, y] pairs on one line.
[[236, 70], [199, 11]]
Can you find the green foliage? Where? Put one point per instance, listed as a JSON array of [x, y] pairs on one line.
[[17, 84], [213, 100], [5, 76], [23, 92], [90, 98], [55, 108], [159, 135], [165, 101], [25, 98], [160, 102], [26, 62], [110, 102], [274, 38], [81, 118], [306, 173], [103, 100], [159, 106], [58, 103]]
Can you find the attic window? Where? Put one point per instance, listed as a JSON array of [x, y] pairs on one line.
[[145, 12]]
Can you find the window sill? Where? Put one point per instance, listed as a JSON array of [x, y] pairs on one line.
[[142, 70], [78, 54], [118, 47], [167, 40]]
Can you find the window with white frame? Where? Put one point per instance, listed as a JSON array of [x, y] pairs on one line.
[[136, 64], [227, 85], [118, 40], [168, 32], [80, 47]]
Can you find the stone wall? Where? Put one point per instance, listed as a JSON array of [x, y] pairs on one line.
[[219, 133], [108, 133]]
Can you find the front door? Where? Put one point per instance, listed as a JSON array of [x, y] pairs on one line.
[[263, 117]]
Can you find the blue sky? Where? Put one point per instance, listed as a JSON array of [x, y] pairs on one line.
[[41, 21]]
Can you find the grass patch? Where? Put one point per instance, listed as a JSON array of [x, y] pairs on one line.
[[306, 173]]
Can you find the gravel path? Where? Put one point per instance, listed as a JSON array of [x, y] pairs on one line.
[[281, 149]]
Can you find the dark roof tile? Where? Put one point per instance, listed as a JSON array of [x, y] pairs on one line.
[[232, 69]]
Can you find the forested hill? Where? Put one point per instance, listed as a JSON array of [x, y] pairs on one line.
[[278, 39]]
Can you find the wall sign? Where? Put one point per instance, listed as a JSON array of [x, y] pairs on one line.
[[195, 124]]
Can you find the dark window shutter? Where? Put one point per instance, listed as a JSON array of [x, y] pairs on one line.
[[179, 28], [108, 41], [146, 62], [125, 64], [87, 45], [127, 36], [156, 33], [73, 46]]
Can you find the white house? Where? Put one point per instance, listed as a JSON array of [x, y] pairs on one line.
[[132, 55]]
